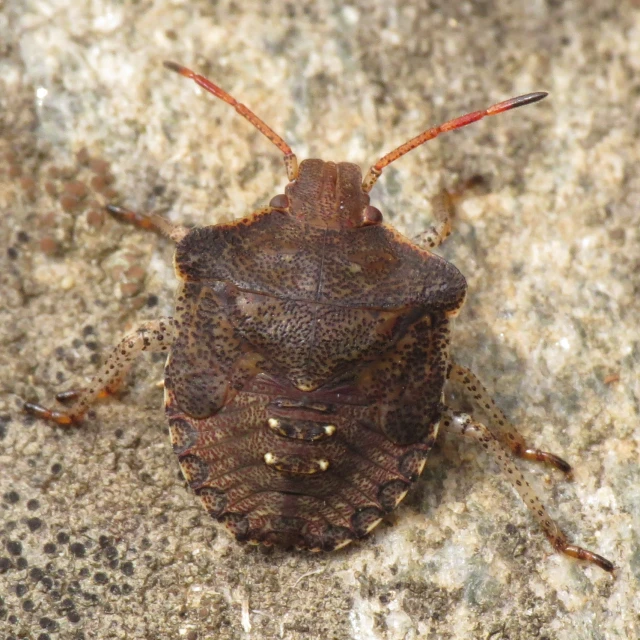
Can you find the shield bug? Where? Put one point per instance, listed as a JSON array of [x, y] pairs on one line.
[[308, 357]]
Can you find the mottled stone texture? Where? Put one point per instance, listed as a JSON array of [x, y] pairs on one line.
[[98, 534]]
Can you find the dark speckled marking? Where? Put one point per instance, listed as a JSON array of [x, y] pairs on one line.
[[364, 520], [411, 464], [195, 470], [238, 524], [183, 435], [214, 500], [391, 493]]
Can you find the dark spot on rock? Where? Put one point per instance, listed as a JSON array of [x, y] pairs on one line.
[[111, 552], [78, 549], [92, 345], [47, 583], [126, 588], [74, 587], [44, 636], [12, 253], [62, 537], [50, 548], [5, 565], [76, 343], [36, 574], [22, 236], [21, 589], [34, 524], [73, 617], [12, 497], [21, 563], [127, 568], [100, 578], [84, 572], [152, 300], [28, 605], [118, 433], [103, 541], [48, 624], [14, 547], [33, 504], [56, 468], [115, 589], [87, 331]]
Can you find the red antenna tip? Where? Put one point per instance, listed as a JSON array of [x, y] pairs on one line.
[[178, 68], [519, 101]]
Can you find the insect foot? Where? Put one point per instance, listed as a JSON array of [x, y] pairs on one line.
[[463, 424], [308, 355], [156, 336]]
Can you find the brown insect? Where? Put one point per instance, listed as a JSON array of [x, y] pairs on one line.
[[308, 356]]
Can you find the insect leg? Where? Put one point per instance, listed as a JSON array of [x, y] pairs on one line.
[[154, 336], [505, 432], [444, 205], [437, 233], [463, 424], [152, 221]]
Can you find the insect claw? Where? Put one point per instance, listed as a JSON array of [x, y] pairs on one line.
[[549, 458], [152, 222], [59, 417], [126, 215], [589, 556]]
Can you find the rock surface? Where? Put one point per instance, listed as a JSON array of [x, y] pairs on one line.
[[99, 537]]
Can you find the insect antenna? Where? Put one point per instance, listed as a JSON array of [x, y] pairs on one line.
[[290, 160], [374, 173]]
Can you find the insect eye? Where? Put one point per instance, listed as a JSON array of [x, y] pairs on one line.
[[371, 215], [279, 202]]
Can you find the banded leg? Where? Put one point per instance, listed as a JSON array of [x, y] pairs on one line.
[[154, 336], [443, 208], [152, 221], [504, 431], [463, 424], [438, 232]]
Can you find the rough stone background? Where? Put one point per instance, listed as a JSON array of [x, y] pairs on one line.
[[99, 537]]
